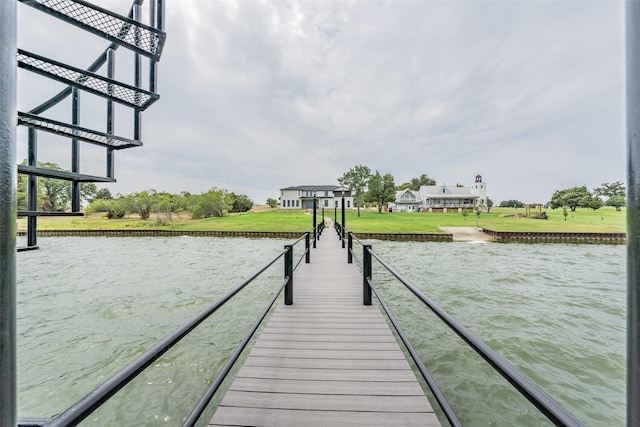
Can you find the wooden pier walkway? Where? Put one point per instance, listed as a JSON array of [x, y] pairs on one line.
[[326, 360]]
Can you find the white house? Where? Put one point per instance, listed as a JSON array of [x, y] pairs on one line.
[[443, 198], [407, 201], [327, 196]]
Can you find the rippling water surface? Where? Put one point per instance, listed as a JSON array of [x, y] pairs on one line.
[[88, 306], [556, 312]]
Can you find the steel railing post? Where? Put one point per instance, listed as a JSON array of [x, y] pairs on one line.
[[8, 179], [366, 274], [288, 274], [32, 191], [307, 249], [349, 249], [342, 225], [633, 220], [315, 226], [75, 150]]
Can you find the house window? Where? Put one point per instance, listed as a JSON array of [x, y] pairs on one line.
[[348, 203], [336, 203], [288, 203], [326, 194], [297, 203], [444, 191], [326, 203]]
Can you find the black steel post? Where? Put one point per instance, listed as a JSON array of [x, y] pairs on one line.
[[32, 190], [633, 219], [349, 249], [288, 274], [321, 224], [335, 212], [315, 230], [153, 65], [137, 77], [307, 257], [160, 18], [75, 150], [366, 274], [342, 228], [8, 112], [111, 58]]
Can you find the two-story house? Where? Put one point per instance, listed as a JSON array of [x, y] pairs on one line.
[[327, 196], [443, 198]]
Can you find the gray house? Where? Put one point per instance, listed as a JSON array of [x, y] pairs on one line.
[[327, 196]]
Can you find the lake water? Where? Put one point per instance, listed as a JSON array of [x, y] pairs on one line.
[[88, 306]]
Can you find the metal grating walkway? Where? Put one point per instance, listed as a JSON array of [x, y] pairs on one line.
[[327, 359]]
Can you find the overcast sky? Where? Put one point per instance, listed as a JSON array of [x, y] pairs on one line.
[[258, 96]]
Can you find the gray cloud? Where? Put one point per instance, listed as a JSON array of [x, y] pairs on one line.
[[256, 96]]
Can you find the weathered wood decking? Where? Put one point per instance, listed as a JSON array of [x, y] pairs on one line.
[[327, 359]]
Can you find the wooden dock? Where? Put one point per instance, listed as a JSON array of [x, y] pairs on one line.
[[327, 359]]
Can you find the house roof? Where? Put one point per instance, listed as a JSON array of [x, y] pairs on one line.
[[313, 188], [435, 191], [318, 188]]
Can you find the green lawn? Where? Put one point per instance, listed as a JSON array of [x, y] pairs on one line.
[[605, 220]]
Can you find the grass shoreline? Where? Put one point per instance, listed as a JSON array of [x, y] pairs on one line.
[[605, 220]]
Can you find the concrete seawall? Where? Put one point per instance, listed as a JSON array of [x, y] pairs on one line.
[[161, 233], [549, 237], [490, 235]]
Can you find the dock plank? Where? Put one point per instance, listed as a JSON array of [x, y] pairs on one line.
[[325, 360]]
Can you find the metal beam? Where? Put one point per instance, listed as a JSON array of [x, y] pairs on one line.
[[633, 217], [8, 35], [57, 174]]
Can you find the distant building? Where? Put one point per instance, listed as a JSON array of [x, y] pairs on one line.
[[328, 196], [442, 198]]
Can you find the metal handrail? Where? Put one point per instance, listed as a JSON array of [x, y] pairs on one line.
[[534, 394], [92, 401], [211, 391], [437, 393]]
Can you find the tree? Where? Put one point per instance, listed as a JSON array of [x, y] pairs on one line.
[[113, 209], [615, 193], [489, 204], [416, 183], [511, 204], [240, 203], [572, 198], [272, 203], [356, 179], [142, 203], [479, 208], [596, 203], [616, 201], [213, 203], [103, 194], [54, 195], [381, 189], [611, 189]]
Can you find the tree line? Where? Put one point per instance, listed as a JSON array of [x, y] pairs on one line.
[[213, 203], [54, 195], [580, 197]]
